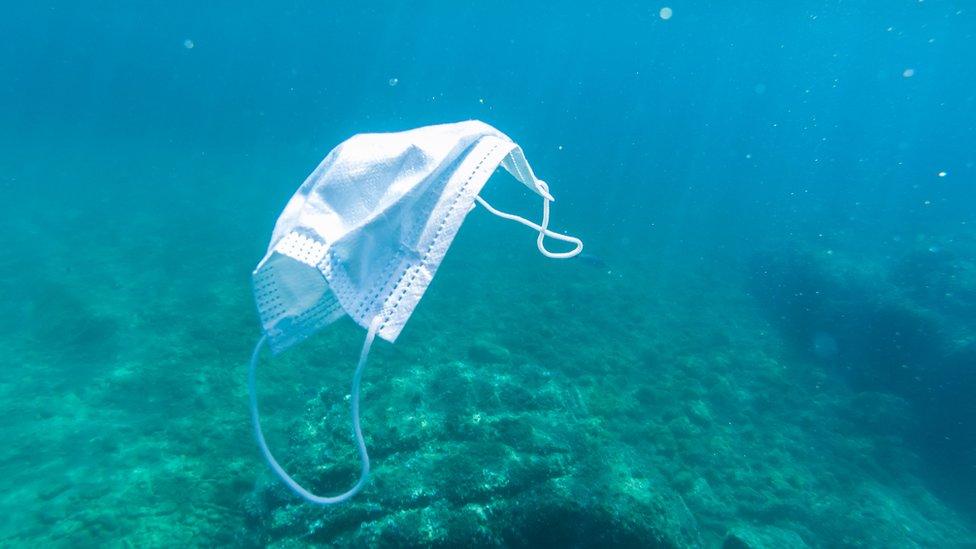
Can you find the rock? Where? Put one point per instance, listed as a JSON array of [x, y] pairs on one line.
[[699, 413], [762, 537], [702, 498], [892, 334], [488, 353]]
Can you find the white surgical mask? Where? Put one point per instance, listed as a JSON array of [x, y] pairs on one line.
[[364, 235]]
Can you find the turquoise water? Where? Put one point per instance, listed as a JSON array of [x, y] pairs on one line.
[[770, 342]]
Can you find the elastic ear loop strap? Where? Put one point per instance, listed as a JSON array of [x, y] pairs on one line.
[[360, 443], [543, 229]]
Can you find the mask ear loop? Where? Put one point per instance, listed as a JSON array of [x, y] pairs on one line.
[[543, 229], [360, 442]]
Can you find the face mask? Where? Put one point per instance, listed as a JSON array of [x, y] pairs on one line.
[[364, 235]]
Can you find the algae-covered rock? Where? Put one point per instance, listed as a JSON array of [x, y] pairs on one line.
[[898, 325], [471, 463], [699, 413], [488, 353], [762, 537], [702, 498]]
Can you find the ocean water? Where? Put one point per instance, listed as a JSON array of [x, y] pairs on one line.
[[770, 342]]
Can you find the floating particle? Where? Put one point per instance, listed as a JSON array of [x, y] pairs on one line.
[[666, 13], [908, 73], [482, 101], [560, 147], [188, 44], [943, 174], [394, 81]]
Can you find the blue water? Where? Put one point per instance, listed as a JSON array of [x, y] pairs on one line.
[[770, 342]]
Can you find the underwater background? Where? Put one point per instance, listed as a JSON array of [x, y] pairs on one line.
[[769, 342]]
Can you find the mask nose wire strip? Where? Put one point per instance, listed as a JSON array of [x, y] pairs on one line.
[[360, 442], [543, 229]]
